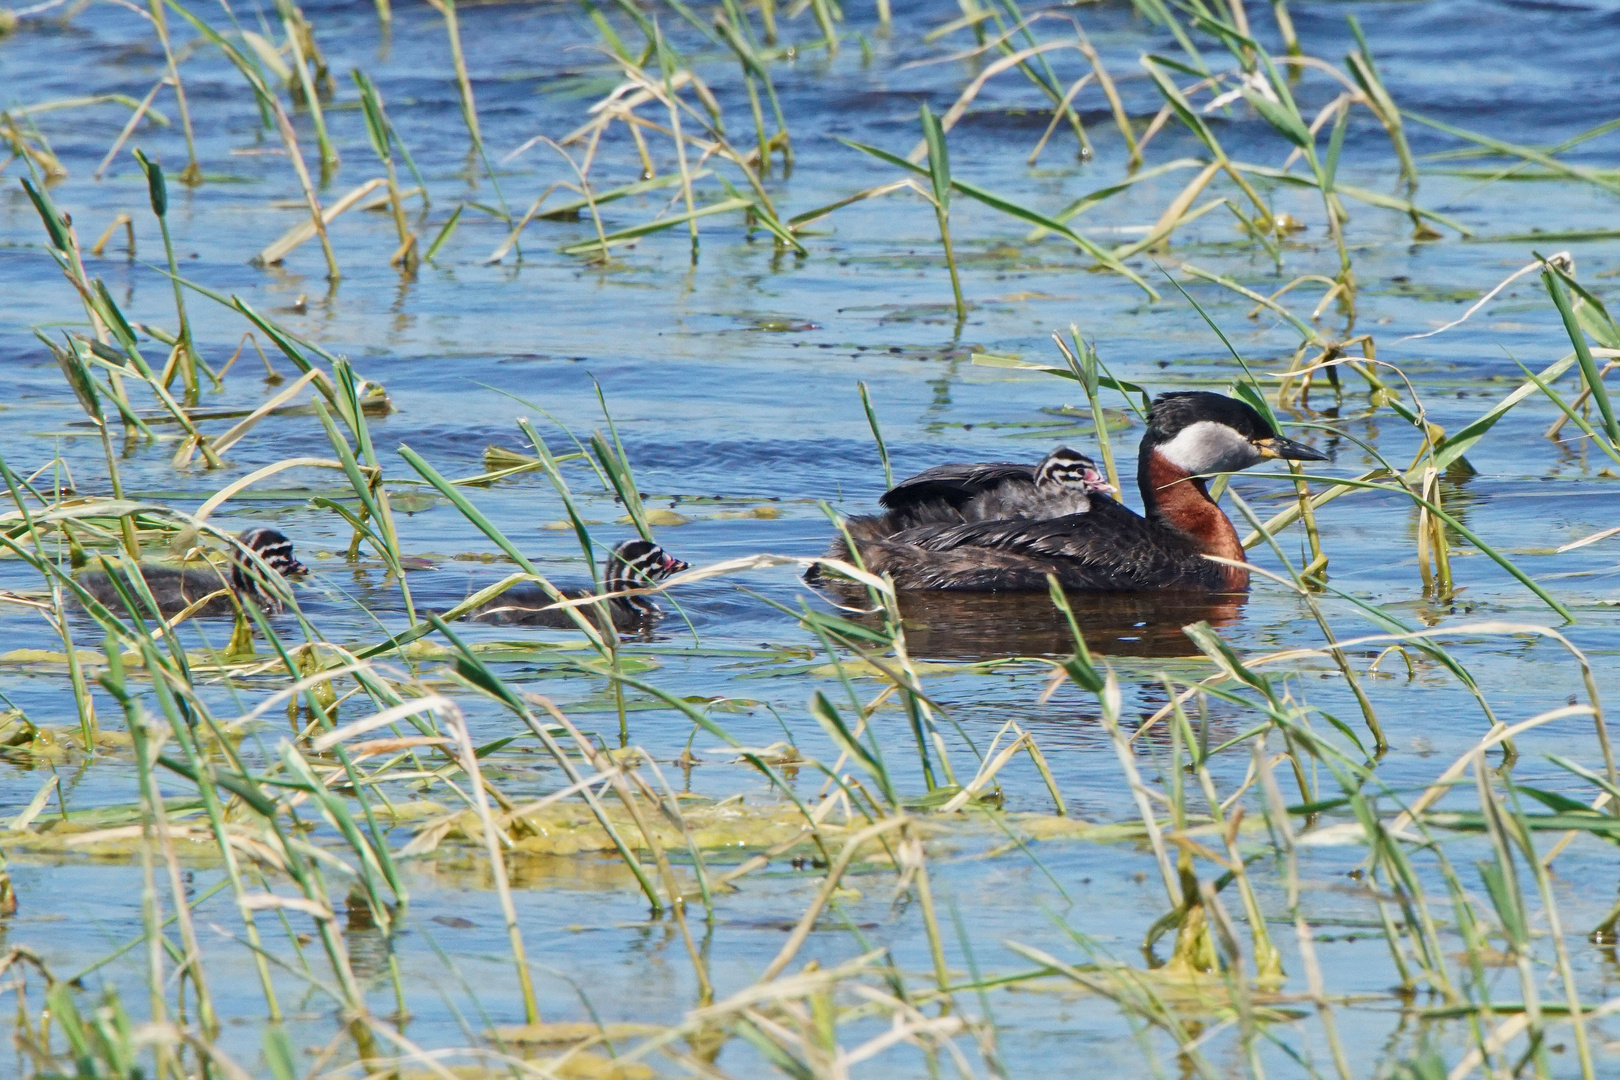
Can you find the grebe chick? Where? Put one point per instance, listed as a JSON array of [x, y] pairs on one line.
[[632, 564], [1061, 484], [177, 589], [927, 541]]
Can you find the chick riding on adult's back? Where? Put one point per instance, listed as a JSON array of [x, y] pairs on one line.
[[1002, 527]]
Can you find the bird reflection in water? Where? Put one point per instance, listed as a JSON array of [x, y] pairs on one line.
[[944, 625]]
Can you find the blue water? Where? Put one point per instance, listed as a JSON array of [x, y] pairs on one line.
[[731, 380]]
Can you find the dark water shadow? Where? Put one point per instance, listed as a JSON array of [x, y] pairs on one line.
[[947, 625]]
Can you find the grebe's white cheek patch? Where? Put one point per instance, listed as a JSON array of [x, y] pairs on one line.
[[1207, 447]]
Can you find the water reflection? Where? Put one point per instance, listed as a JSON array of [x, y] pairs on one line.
[[947, 625], [368, 946]]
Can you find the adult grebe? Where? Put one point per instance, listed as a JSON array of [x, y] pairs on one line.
[[992, 528]]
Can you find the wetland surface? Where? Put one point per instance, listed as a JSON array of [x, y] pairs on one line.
[[1003, 935]]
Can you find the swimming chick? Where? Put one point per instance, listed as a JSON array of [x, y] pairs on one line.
[[633, 564], [177, 589]]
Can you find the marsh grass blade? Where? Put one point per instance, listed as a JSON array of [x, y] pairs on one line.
[[1583, 354], [877, 435], [939, 172], [382, 136], [185, 350], [289, 137], [1082, 361]]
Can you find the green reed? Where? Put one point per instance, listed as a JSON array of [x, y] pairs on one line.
[[877, 435], [185, 359], [383, 139]]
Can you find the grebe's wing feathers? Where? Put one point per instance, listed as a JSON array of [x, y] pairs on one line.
[[953, 484], [1108, 547], [1101, 532]]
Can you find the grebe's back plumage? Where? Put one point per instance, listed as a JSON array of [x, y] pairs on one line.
[[632, 564], [1060, 484], [939, 537], [176, 589]]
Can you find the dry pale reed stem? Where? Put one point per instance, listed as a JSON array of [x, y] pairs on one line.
[[192, 173], [469, 107], [129, 128], [1304, 936], [289, 139], [834, 874], [298, 234], [497, 861], [677, 899], [1109, 699]]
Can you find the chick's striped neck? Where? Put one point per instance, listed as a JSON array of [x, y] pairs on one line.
[[623, 576]]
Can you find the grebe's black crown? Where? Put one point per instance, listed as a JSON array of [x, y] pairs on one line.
[[1173, 413], [276, 550], [1207, 433]]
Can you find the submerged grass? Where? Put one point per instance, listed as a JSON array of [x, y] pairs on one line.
[[378, 770]]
